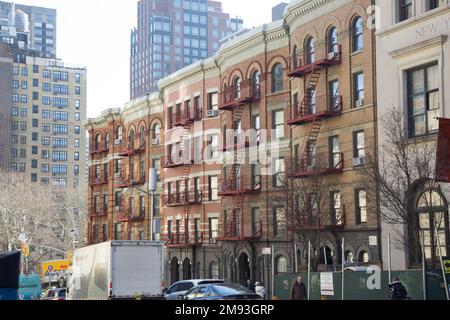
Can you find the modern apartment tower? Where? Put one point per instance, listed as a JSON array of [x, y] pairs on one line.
[[29, 27], [172, 34], [44, 104]]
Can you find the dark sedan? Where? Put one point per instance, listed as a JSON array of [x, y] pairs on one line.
[[220, 291]]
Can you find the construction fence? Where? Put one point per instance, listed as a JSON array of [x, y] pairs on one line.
[[362, 285]]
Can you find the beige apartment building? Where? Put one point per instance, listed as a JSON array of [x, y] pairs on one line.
[[413, 73], [46, 101]]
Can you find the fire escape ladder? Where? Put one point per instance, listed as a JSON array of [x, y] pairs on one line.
[[310, 140], [310, 87], [185, 172]]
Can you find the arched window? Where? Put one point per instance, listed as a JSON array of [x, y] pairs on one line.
[[357, 34], [431, 211], [333, 45], [237, 88], [96, 141], [364, 257], [214, 270], [349, 256], [118, 133], [131, 139], [310, 49], [156, 132], [281, 265], [256, 83], [107, 140], [142, 135], [294, 58], [277, 77]]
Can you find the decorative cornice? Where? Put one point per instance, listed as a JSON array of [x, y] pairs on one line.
[[436, 41]]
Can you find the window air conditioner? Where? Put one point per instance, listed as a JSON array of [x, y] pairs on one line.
[[117, 208], [117, 142], [213, 113], [358, 161], [332, 55], [213, 240], [155, 142]]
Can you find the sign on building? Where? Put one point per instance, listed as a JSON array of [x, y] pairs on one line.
[[326, 284]]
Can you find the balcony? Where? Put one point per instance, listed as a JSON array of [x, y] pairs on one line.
[[180, 241], [234, 230], [98, 180], [318, 165], [308, 220], [303, 64], [182, 198], [233, 97], [98, 212], [98, 150], [128, 181], [137, 218], [172, 162], [316, 108], [185, 117], [239, 186], [130, 148]]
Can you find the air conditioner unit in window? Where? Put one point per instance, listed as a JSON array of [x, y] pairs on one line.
[[360, 102], [213, 240], [332, 55], [359, 161], [212, 113], [117, 142], [157, 237], [117, 208], [117, 175], [155, 142]]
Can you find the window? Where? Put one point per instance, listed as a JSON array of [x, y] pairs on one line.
[[310, 49], [34, 164], [35, 83], [278, 177], [335, 99], [279, 221], [357, 34], [358, 144], [213, 101], [237, 88], [34, 150], [117, 231], [33, 177], [46, 114], [213, 145], [45, 168], [432, 4], [281, 265], [431, 212], [34, 136], [60, 129], [213, 228], [46, 154], [35, 68], [278, 123], [59, 169], [256, 83], [77, 77], [277, 78], [76, 143], [77, 104], [76, 156], [46, 73], [336, 208], [405, 9], [256, 221], [77, 90], [333, 45], [423, 100], [59, 156], [60, 142], [77, 129], [361, 206], [358, 89], [335, 154], [213, 188], [364, 257]]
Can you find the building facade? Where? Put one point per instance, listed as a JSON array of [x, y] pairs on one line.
[[174, 34], [413, 73], [256, 143], [30, 26], [46, 102]]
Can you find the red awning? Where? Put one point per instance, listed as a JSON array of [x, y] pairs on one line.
[[443, 151]]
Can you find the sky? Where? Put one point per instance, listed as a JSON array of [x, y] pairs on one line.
[[96, 34]]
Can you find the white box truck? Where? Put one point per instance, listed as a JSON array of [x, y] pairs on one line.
[[117, 270]]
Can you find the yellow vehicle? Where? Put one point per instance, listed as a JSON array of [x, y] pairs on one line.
[[52, 271]]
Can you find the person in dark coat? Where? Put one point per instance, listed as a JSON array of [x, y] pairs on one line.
[[298, 291], [397, 291], [250, 285]]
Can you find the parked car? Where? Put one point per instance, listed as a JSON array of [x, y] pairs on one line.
[[220, 291], [55, 294], [178, 289]]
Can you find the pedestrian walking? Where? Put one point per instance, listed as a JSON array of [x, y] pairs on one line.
[[397, 291], [260, 290], [298, 291]]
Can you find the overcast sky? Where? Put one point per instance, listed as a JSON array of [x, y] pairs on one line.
[[96, 33]]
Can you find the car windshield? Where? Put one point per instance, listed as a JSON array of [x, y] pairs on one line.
[[230, 289], [62, 293], [50, 294]]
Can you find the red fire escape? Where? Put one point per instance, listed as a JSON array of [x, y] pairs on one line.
[[236, 186], [312, 110], [185, 199]]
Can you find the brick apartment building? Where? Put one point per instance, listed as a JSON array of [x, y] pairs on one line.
[[218, 208]]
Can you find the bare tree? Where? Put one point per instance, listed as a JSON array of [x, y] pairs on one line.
[[401, 165], [306, 199], [47, 217]]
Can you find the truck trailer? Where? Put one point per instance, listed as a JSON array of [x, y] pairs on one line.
[[117, 270]]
